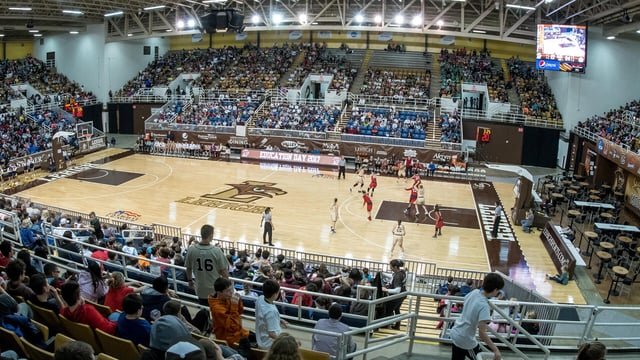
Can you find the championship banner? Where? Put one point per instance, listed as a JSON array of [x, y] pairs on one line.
[[295, 35], [354, 34], [385, 36], [324, 34]]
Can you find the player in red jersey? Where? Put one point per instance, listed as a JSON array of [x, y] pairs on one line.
[[416, 180], [373, 184], [366, 200], [412, 198]]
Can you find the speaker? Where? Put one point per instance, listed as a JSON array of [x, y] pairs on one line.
[[222, 19], [208, 23], [237, 22]]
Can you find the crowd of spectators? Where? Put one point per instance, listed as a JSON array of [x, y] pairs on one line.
[[388, 123], [320, 60], [299, 117], [472, 66], [536, 97], [450, 125], [42, 78], [615, 125], [396, 84], [258, 68], [219, 112], [209, 63]]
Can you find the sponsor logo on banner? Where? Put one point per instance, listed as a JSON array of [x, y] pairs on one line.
[[385, 36], [238, 140], [295, 35], [354, 35], [207, 137], [409, 153], [197, 37], [364, 150], [242, 36], [185, 136], [330, 147], [125, 215], [548, 65], [324, 34], [294, 145]]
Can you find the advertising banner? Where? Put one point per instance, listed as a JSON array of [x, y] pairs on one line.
[[309, 159]]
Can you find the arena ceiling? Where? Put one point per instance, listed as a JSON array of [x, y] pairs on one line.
[[508, 20]]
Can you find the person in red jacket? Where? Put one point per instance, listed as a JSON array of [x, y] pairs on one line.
[[79, 312]]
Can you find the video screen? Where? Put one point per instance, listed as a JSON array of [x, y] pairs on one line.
[[561, 48]]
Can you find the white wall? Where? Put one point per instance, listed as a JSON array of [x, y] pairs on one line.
[[99, 66], [610, 79]]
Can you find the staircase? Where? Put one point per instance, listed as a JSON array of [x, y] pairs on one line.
[[512, 93], [359, 80], [344, 117], [296, 62], [436, 80]]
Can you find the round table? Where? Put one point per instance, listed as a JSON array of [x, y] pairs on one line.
[[620, 273], [557, 195], [575, 187], [571, 192], [573, 214], [578, 177], [606, 215], [567, 182], [604, 257], [618, 194], [605, 186], [550, 186], [583, 183], [594, 191], [594, 197]]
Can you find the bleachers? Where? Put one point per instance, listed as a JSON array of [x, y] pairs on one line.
[[383, 122], [616, 125]]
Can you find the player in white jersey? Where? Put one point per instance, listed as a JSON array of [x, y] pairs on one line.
[[420, 200], [359, 181], [398, 236], [333, 210]]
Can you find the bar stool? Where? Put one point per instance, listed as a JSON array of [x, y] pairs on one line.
[[624, 241], [549, 187], [573, 214], [606, 217], [618, 195], [594, 197], [620, 273], [604, 257], [590, 235]]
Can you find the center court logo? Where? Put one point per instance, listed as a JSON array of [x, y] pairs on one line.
[[239, 197], [124, 215]]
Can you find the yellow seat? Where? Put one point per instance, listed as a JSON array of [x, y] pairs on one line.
[[46, 317], [142, 349], [103, 356], [307, 354], [103, 310], [10, 340], [81, 332], [257, 354], [35, 353], [62, 339], [117, 347]]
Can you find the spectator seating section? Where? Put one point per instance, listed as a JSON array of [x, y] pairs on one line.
[[383, 122]]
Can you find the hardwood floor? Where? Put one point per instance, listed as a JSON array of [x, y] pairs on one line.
[[189, 193]]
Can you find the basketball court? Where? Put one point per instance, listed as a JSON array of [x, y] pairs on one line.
[[188, 193]]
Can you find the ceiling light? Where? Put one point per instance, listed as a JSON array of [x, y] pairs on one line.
[[417, 20], [213, 1], [129, 35], [359, 18], [303, 18], [520, 7], [168, 30], [399, 19], [154, 7], [73, 32], [34, 31], [180, 24], [439, 22], [638, 31], [1, 35], [277, 19], [611, 37], [37, 35], [191, 23], [20, 8], [74, 12], [378, 19], [255, 19], [115, 13], [479, 31]]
